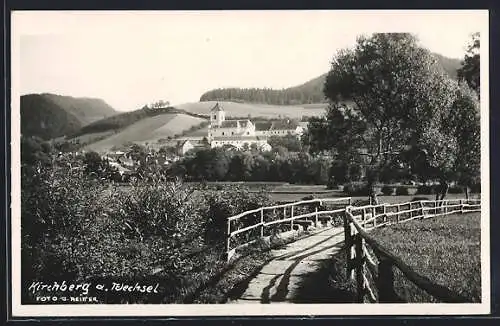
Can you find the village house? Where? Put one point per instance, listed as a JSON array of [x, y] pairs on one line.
[[279, 128], [179, 147]]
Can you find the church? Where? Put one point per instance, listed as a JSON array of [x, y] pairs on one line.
[[235, 133]]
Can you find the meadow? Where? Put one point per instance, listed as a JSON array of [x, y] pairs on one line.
[[444, 249], [148, 130]]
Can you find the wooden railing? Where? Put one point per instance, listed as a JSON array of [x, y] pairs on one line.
[[249, 226], [371, 265]]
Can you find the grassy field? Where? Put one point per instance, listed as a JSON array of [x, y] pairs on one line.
[[444, 249], [198, 133], [148, 130], [256, 110], [290, 192], [285, 192]]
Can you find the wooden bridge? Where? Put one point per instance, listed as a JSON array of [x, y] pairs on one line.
[[335, 225]]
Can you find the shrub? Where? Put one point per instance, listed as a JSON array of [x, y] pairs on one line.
[[456, 189], [426, 190], [402, 191], [356, 189], [77, 228], [475, 188], [387, 190], [229, 202]]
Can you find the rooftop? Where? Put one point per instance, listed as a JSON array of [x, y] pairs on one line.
[[284, 125], [217, 107], [263, 125], [234, 123], [236, 138]]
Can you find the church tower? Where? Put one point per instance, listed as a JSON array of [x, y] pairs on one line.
[[217, 116]]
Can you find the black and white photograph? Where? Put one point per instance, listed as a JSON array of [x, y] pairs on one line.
[[250, 163]]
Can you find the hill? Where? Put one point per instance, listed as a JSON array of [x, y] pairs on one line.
[[50, 116], [120, 121], [151, 130], [253, 111], [306, 93]]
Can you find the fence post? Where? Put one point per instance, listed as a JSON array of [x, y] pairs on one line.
[[461, 206], [360, 261], [363, 217], [422, 210], [397, 213], [374, 211], [228, 239], [262, 222], [348, 243], [316, 210], [284, 213], [291, 222], [445, 204], [385, 212], [347, 231], [385, 281]]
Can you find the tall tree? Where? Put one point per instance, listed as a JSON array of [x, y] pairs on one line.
[[470, 69], [465, 123], [397, 89]]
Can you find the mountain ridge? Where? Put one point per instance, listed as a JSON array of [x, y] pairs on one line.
[[306, 93], [48, 115]]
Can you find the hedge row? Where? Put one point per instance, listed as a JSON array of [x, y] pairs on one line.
[[361, 189]]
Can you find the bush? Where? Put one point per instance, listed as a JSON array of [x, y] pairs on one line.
[[387, 190], [76, 228], [229, 202], [475, 188], [456, 189], [356, 189], [426, 190], [402, 191]]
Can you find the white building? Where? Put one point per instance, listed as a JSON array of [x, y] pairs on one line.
[[279, 128], [235, 133]]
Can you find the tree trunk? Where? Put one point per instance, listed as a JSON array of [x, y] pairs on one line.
[[466, 190], [444, 189]]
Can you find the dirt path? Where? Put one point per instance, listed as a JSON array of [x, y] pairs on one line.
[[280, 280]]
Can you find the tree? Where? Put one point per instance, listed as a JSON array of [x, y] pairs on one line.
[[397, 89], [291, 142], [465, 123], [93, 163], [35, 151], [470, 69]]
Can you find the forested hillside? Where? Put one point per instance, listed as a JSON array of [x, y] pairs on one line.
[[49, 115], [307, 93]]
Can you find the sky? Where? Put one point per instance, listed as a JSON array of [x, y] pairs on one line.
[[133, 58]]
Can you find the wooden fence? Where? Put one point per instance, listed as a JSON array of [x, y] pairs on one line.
[[372, 266], [249, 226]]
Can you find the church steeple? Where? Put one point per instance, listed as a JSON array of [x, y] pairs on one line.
[[217, 115]]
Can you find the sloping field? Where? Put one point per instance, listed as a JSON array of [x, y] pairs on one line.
[[198, 133], [93, 137], [255, 110], [148, 130]]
